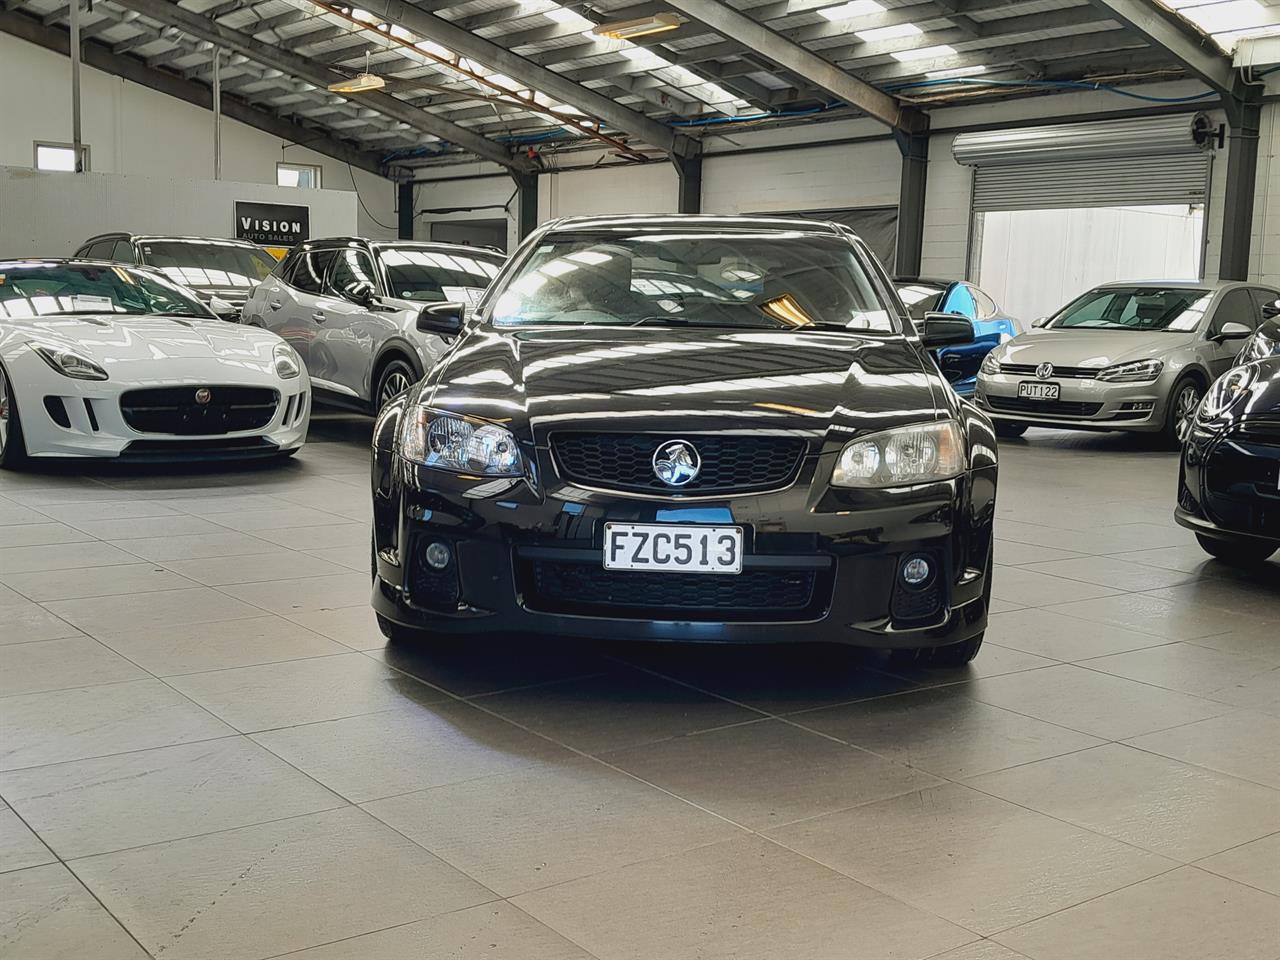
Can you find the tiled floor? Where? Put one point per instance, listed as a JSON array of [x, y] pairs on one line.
[[206, 750]]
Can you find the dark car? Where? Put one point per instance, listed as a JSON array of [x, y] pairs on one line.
[[775, 460], [1265, 341], [1229, 482], [222, 273], [991, 325]]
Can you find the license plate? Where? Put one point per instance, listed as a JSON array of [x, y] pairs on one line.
[[672, 548], [1035, 390]]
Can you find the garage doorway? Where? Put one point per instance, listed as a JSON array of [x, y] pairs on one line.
[[1059, 209], [1034, 261], [877, 226], [472, 233]]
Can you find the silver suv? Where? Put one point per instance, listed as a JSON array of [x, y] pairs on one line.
[[350, 308]]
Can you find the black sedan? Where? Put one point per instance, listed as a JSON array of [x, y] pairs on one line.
[[763, 454], [1229, 483]]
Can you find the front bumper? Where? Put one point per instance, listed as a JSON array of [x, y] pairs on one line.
[[822, 568], [1229, 481], [62, 417], [1082, 404]]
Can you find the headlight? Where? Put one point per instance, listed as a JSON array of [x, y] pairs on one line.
[[70, 364], [920, 453], [459, 444], [1138, 371], [990, 365], [287, 363], [1227, 391], [1258, 348]]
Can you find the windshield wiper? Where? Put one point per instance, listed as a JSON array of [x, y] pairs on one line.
[[687, 322]]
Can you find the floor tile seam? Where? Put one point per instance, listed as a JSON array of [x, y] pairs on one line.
[[1198, 766], [1083, 664], [232, 734]]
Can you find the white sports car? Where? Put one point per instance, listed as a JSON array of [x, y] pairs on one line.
[[105, 360]]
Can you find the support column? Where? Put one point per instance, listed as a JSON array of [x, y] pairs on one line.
[[405, 211], [77, 147], [217, 113], [1244, 119], [915, 174], [689, 182], [526, 203]]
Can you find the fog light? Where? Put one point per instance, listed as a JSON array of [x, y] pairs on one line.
[[916, 571], [437, 556]]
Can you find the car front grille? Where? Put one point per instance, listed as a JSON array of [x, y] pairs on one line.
[[176, 410], [1059, 373], [1047, 408], [557, 586], [730, 463]]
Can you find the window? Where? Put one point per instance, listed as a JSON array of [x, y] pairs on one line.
[[415, 273], [60, 157], [208, 263], [960, 302], [1237, 307], [123, 251], [308, 276], [986, 306], [1179, 309], [298, 175], [352, 267]]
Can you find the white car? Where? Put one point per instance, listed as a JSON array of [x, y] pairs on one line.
[[106, 360]]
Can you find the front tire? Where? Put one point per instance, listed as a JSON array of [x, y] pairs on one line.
[[394, 379], [13, 448], [1184, 400], [1009, 430], [1240, 553]]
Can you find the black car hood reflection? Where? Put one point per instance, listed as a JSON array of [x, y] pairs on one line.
[[660, 379]]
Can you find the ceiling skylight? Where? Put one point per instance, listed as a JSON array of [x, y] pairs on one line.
[[896, 32], [847, 11], [925, 53], [1229, 21]]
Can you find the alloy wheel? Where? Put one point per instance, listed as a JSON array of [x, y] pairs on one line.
[[394, 384], [1184, 410], [4, 411]]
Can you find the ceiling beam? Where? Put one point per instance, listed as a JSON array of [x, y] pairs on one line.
[[1186, 45], [100, 57], [754, 35], [193, 24], [475, 47]]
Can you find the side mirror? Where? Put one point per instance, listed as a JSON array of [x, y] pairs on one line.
[[1232, 331], [442, 319], [945, 330], [361, 292], [1042, 322], [1271, 311], [223, 310]]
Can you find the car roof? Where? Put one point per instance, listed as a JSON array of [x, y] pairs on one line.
[[125, 235], [686, 220], [1175, 284], [69, 261]]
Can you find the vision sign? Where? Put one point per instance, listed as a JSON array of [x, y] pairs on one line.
[[273, 224]]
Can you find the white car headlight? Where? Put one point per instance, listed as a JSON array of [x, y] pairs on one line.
[[1138, 371], [459, 444], [70, 364], [287, 363], [990, 365], [920, 453], [1227, 391]]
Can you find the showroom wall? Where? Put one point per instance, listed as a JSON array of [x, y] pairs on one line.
[[863, 173], [50, 214], [134, 130]]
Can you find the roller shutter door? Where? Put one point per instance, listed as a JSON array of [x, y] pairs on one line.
[[1161, 160]]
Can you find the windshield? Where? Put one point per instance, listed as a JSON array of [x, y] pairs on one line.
[[921, 298], [54, 289], [725, 279], [435, 276], [1177, 309], [207, 263]]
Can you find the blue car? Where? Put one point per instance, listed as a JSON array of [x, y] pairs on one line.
[[991, 326]]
